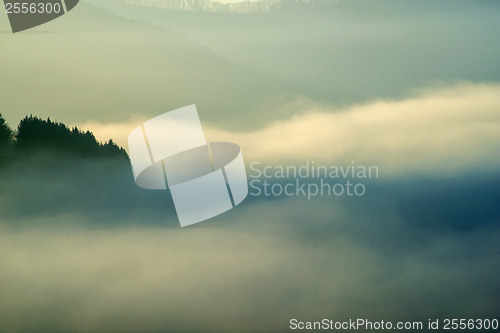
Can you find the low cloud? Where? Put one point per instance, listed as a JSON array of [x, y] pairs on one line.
[[253, 272], [440, 130], [83, 249]]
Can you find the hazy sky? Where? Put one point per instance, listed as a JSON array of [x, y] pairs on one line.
[[242, 70]]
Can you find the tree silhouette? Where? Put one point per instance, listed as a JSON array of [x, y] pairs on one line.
[[6, 136], [35, 134]]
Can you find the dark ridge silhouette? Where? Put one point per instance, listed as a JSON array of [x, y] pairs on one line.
[[35, 134]]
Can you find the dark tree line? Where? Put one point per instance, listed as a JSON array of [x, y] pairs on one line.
[[35, 134], [6, 137]]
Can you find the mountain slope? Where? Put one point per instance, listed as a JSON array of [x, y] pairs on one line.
[[92, 65], [362, 49]]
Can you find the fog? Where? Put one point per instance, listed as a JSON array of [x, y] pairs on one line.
[[83, 249]]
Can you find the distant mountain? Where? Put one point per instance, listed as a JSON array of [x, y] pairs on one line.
[[113, 68], [229, 7]]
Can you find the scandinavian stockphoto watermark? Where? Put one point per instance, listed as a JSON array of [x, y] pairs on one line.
[[310, 179], [26, 14], [205, 179]]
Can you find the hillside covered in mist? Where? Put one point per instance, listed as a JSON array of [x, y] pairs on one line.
[[48, 169]]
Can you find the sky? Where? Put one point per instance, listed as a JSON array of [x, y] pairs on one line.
[[412, 87]]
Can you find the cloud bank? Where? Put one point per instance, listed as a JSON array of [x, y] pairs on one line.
[[82, 249], [250, 274], [440, 130]]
